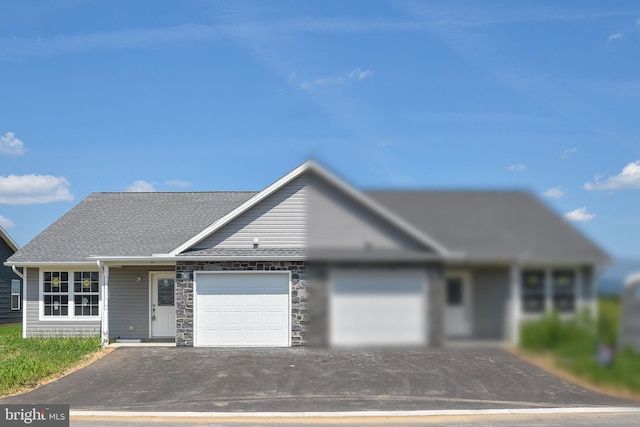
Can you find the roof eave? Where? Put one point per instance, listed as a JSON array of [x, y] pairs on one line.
[[49, 263], [9, 241]]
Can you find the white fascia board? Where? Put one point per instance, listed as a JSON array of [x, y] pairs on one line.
[[379, 209], [7, 238], [134, 260], [242, 208], [55, 263]]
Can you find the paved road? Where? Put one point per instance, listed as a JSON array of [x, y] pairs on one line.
[[571, 420], [202, 379]]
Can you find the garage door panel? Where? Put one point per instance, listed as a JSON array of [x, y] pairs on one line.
[[275, 318], [242, 309]]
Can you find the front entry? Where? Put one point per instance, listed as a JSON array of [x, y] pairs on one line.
[[458, 309], [163, 311]]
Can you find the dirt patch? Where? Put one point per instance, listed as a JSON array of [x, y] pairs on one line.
[[547, 362], [88, 360]]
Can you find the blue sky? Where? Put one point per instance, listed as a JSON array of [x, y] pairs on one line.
[[200, 95]]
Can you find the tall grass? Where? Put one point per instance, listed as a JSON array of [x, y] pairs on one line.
[[574, 344], [25, 362]]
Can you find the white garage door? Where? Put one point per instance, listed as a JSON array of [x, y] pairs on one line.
[[241, 309], [378, 308]]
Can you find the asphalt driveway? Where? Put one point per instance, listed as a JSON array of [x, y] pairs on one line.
[[206, 379]]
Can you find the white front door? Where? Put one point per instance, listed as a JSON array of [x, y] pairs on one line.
[[458, 309], [163, 311]]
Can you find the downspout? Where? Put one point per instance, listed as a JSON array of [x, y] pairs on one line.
[[104, 302], [17, 273]]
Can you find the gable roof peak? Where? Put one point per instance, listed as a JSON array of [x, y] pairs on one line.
[[8, 240], [313, 166]]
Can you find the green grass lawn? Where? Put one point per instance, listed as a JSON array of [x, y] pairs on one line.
[[26, 362], [574, 343]]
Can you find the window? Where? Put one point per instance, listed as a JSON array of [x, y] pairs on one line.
[[165, 292], [55, 289], [69, 294], [564, 290], [454, 291], [15, 294], [86, 293], [546, 289], [533, 291]]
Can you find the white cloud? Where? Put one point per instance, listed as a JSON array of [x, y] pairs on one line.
[[580, 215], [11, 145], [569, 152], [6, 222], [32, 189], [627, 179], [518, 167], [615, 36], [554, 193], [141, 187], [360, 74], [177, 183], [356, 74]]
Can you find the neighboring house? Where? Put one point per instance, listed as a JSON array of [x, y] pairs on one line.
[[309, 259], [10, 284]]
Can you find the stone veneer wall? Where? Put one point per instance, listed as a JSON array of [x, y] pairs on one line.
[[184, 293]]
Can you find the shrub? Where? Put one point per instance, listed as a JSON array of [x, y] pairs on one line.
[[574, 342]]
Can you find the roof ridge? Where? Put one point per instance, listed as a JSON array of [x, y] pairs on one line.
[[177, 192]]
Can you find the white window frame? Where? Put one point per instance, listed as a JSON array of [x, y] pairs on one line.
[[14, 294], [71, 304]]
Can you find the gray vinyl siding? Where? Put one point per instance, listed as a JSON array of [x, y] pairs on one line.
[[491, 287], [336, 220], [129, 301], [279, 221], [6, 275], [35, 327]]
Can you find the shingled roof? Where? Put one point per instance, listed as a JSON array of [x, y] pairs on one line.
[[128, 224], [493, 225], [474, 225]]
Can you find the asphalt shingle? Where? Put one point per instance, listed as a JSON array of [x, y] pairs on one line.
[[128, 224], [492, 225]]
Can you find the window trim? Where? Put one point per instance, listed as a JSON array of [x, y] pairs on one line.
[[71, 316], [18, 294]]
